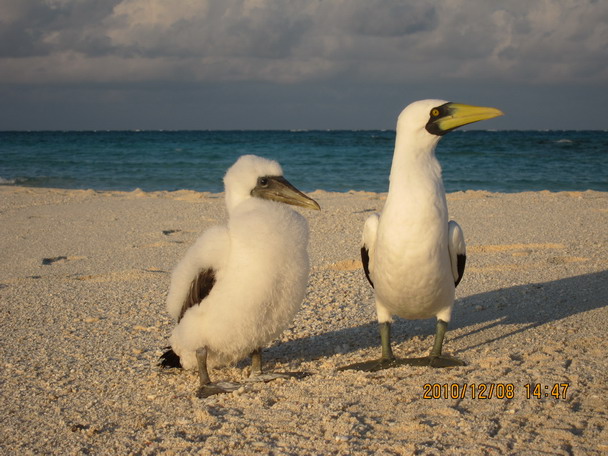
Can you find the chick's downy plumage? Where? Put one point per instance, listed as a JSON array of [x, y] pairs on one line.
[[256, 269]]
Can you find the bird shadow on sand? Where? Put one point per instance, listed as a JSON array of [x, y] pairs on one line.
[[523, 306]]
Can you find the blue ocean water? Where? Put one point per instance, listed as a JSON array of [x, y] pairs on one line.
[[501, 161]]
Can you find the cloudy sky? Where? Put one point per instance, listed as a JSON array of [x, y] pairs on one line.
[[276, 64]]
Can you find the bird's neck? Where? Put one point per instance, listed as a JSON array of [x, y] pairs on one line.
[[415, 172], [416, 200]]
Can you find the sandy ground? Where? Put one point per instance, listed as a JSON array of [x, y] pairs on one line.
[[84, 276]]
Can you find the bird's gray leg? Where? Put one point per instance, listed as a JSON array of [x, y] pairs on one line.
[[203, 373], [257, 374], [436, 359], [385, 339], [206, 388], [442, 327], [256, 363], [387, 359]]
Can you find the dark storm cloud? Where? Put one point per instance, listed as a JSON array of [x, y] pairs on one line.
[[37, 28], [385, 18], [345, 47], [297, 41]]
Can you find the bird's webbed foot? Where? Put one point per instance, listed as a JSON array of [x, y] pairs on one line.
[[270, 376], [373, 365], [438, 361], [381, 364], [211, 389], [445, 361]]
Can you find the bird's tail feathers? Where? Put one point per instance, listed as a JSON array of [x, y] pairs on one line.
[[169, 360]]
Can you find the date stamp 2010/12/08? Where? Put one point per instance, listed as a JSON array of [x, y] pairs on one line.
[[493, 390]]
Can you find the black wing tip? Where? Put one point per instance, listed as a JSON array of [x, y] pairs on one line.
[[461, 261], [365, 261], [169, 360]]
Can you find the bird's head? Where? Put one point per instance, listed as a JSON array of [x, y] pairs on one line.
[[256, 177], [431, 119]]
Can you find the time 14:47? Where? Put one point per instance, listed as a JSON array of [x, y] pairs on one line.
[[538, 390]]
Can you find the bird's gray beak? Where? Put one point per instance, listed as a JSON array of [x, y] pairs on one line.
[[277, 188], [449, 116]]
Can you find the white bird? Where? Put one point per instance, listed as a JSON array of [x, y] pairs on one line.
[[240, 285], [413, 256]]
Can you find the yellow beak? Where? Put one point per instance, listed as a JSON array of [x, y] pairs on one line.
[[453, 115]]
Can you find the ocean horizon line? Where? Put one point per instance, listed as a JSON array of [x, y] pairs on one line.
[[291, 130]]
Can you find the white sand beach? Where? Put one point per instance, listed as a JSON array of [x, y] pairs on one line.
[[83, 281]]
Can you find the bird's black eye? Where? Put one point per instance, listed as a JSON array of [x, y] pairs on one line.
[[263, 181]]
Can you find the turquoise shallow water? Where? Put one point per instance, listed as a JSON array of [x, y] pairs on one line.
[[504, 161]]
